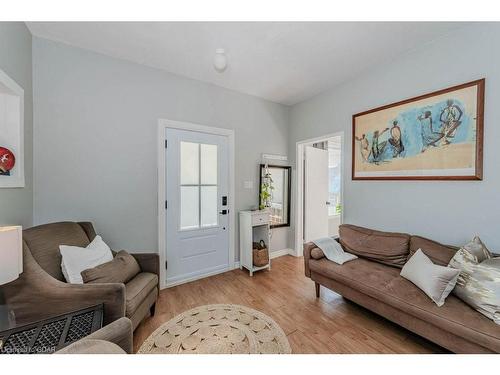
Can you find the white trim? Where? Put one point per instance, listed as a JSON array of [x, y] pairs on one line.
[[280, 253], [274, 157], [197, 276], [229, 133], [16, 182], [299, 164]]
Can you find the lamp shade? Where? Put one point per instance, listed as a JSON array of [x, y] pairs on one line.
[[11, 253]]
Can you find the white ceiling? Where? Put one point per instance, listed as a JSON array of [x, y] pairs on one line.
[[285, 62]]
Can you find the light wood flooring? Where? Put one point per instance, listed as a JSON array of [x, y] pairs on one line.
[[329, 324]]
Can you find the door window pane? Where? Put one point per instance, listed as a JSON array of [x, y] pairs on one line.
[[209, 164], [190, 207], [190, 160], [209, 212]]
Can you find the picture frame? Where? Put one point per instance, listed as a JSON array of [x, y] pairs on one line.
[[435, 136]]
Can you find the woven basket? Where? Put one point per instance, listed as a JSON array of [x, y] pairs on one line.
[[260, 254]]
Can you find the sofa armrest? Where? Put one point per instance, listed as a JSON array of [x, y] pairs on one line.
[[307, 257], [36, 295], [149, 262], [118, 332]]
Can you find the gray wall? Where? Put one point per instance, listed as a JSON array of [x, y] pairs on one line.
[[16, 205], [451, 212], [95, 139]]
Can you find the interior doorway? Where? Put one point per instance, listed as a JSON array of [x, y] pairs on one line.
[[319, 205]]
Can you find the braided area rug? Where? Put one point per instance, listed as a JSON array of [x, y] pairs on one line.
[[218, 329]]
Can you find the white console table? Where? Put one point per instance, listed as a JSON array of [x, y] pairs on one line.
[[254, 226]]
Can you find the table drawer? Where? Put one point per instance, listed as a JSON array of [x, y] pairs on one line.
[[260, 219]]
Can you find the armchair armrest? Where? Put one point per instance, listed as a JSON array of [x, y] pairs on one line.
[[149, 262], [118, 332], [36, 295]]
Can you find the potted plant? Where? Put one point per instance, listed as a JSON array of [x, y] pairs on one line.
[[266, 190]]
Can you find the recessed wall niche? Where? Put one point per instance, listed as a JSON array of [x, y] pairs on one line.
[[11, 133]]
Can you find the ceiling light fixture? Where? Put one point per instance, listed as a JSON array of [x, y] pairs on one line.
[[220, 60]]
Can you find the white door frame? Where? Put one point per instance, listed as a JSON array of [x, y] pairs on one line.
[[163, 124], [299, 163]]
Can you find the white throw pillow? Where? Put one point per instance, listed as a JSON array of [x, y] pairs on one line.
[[77, 259], [435, 281]]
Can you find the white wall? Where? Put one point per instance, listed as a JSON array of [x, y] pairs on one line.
[[95, 139], [452, 211], [16, 204]]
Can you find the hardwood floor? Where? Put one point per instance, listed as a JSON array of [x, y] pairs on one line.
[[329, 324]]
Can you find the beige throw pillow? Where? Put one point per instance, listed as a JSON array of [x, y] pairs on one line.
[[435, 281], [121, 269]]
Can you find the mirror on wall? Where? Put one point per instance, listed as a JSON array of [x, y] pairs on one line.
[[274, 193]]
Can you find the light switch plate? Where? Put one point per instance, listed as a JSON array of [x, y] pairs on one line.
[[248, 184]]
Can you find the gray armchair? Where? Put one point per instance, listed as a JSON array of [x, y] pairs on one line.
[[115, 338], [42, 292]]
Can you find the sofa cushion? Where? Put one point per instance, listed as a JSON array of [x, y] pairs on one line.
[[43, 242], [121, 269], [137, 289], [367, 275], [454, 316], [440, 254], [383, 247]]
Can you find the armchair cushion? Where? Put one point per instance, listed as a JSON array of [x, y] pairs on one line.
[[121, 269], [137, 289]]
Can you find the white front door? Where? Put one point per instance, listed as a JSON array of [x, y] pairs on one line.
[[315, 194], [197, 185]]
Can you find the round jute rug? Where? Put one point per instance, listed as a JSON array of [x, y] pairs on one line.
[[218, 329]]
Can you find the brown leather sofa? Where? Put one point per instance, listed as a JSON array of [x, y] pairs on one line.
[[42, 292], [373, 281]]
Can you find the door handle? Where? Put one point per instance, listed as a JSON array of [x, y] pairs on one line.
[[223, 212]]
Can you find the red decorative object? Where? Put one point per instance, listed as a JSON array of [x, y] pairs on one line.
[[7, 160]]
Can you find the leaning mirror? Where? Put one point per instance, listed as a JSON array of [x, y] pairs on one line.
[[274, 193]]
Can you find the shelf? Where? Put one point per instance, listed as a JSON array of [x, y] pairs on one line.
[[260, 268]]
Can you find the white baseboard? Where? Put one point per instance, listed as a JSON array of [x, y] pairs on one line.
[[272, 255], [197, 275], [280, 253]]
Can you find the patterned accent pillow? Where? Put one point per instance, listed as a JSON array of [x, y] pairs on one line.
[[476, 250], [478, 284]]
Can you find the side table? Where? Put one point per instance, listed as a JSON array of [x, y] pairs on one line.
[[50, 335]]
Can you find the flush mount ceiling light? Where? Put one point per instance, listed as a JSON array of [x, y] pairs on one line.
[[220, 60]]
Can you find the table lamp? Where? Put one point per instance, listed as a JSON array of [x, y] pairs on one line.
[[11, 265]]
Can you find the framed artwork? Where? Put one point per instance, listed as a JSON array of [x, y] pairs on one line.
[[11, 133], [437, 136]]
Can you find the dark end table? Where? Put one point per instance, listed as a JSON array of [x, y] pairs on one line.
[[53, 334]]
